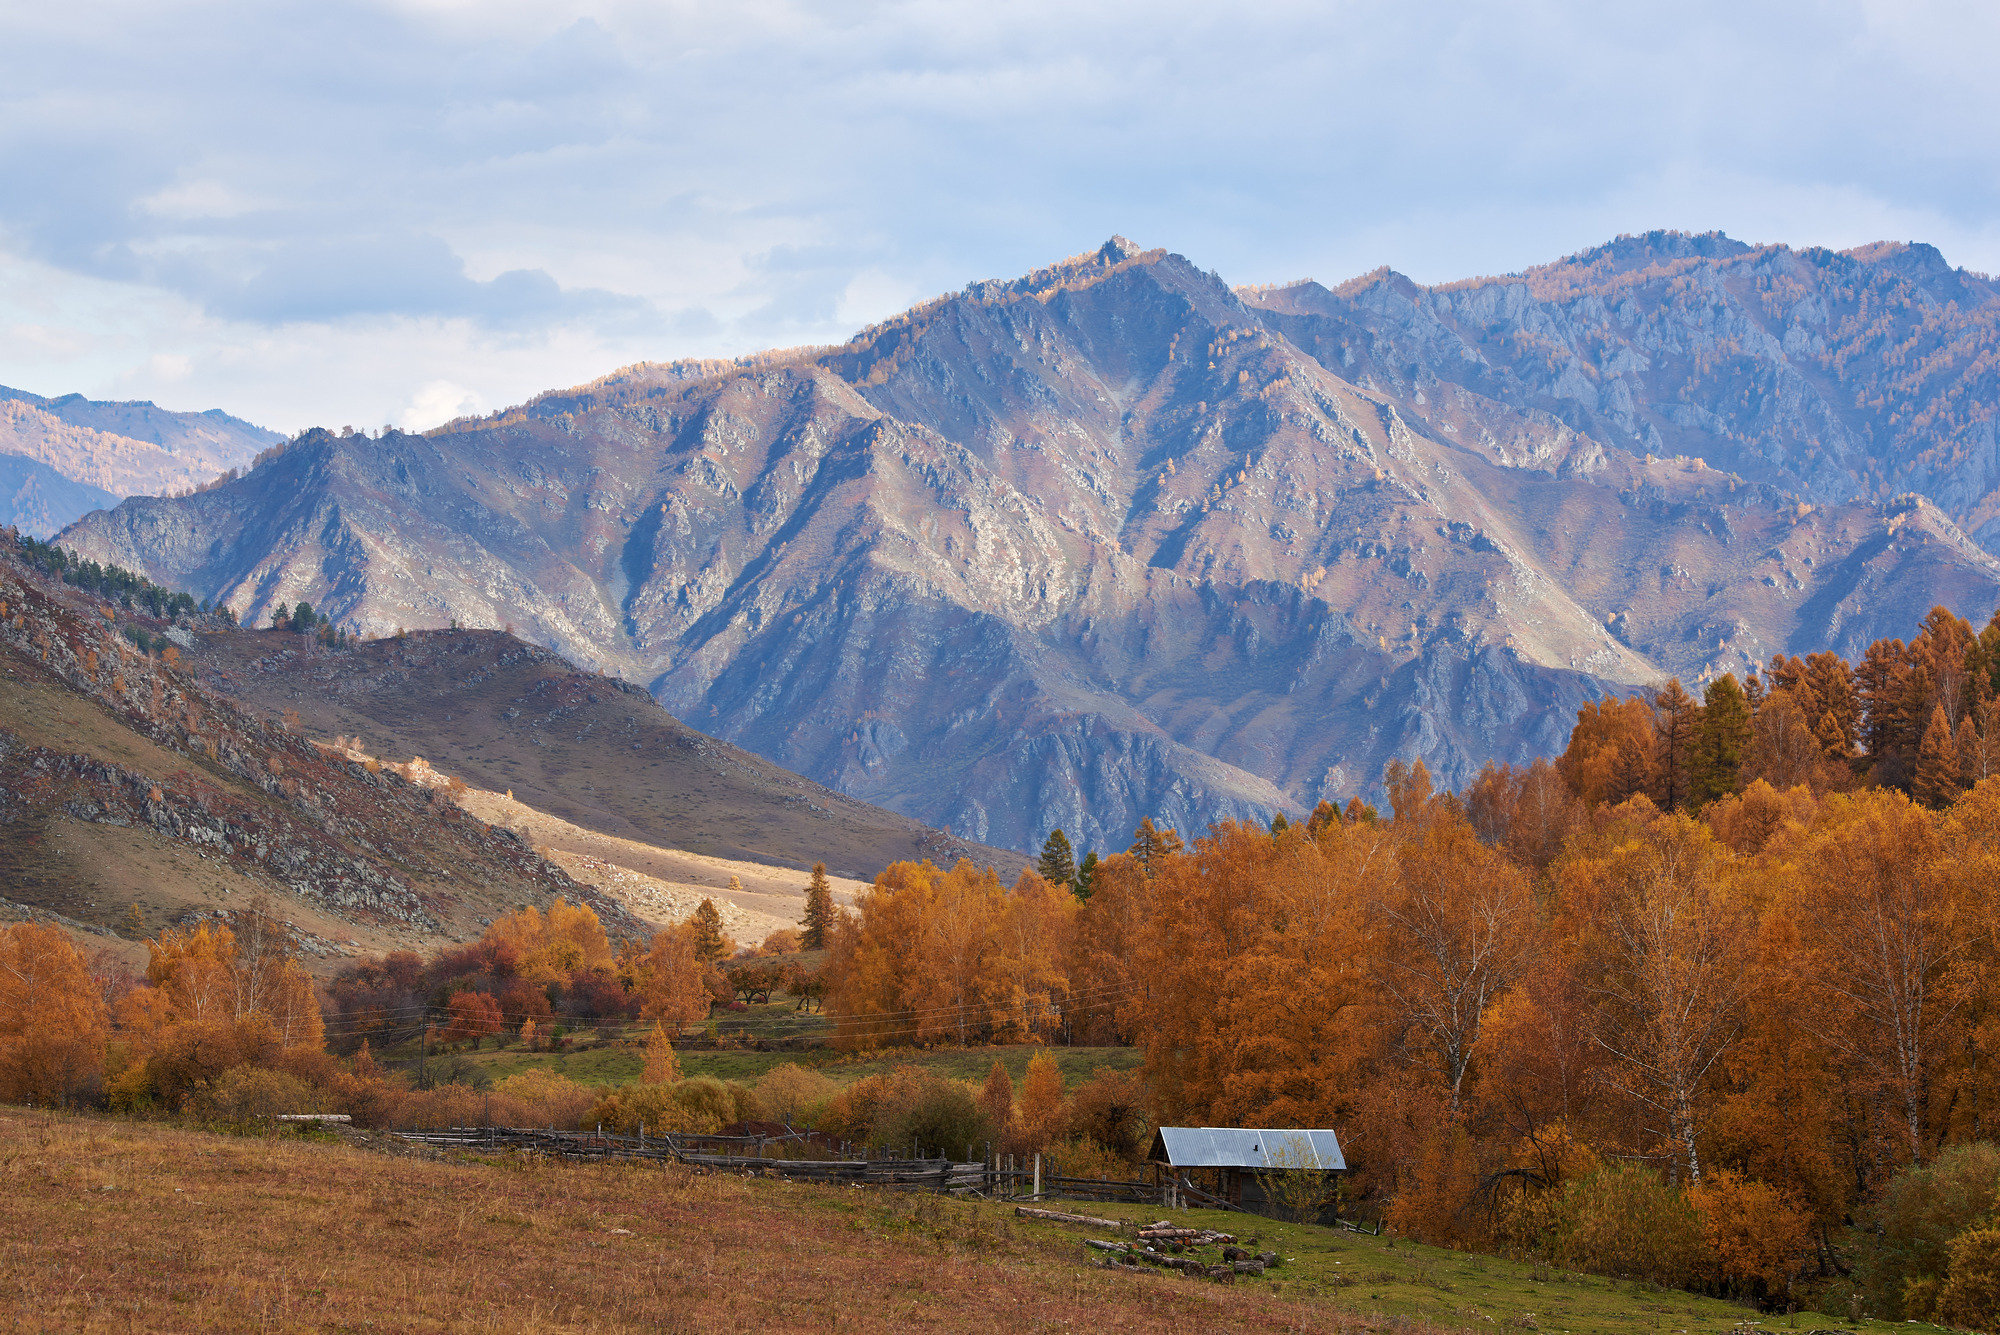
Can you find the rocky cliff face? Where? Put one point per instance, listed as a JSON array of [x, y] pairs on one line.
[[1107, 541], [126, 448], [1840, 376]]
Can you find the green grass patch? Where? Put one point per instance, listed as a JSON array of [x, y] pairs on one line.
[[1392, 1277], [622, 1062]]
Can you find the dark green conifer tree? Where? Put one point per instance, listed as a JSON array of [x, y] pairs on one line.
[[1674, 716], [1058, 861], [1721, 736], [819, 909], [1086, 875]]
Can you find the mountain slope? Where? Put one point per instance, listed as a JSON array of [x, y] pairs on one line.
[[131, 798], [41, 502], [127, 448], [1840, 376], [513, 718], [1103, 542]]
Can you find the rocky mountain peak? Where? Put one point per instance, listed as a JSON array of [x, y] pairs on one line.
[[1117, 250], [1110, 540]]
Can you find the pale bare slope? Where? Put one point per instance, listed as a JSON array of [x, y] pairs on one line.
[[663, 886]]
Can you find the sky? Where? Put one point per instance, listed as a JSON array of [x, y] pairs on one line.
[[395, 213]]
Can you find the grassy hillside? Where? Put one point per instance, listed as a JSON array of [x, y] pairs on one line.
[[120, 1225], [1403, 1281], [589, 750]]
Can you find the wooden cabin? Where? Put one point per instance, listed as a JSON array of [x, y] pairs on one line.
[[1235, 1161]]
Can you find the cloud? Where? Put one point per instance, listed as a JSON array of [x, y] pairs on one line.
[[324, 278], [500, 191], [438, 402]]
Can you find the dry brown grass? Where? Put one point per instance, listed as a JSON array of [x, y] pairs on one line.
[[119, 1226]]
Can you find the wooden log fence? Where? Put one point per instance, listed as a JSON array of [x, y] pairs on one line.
[[766, 1156]]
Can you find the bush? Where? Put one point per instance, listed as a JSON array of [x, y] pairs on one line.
[[907, 1106], [1970, 1296], [1922, 1211], [625, 1110], [939, 1117], [1623, 1220], [1754, 1233], [1435, 1195], [1080, 1156], [793, 1095], [443, 1105], [1110, 1108], [541, 1098], [722, 1101], [243, 1095]]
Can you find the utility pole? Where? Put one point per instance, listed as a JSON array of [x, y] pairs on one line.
[[424, 1056]]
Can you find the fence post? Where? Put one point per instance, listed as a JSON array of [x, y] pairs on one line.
[[1038, 1174]]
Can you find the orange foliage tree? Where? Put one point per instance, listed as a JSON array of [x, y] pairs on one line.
[[52, 1019]]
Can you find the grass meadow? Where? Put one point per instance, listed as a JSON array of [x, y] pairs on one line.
[[116, 1225]]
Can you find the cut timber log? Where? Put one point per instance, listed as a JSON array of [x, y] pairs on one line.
[[1057, 1216]]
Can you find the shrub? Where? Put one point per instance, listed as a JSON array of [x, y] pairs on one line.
[[541, 1098], [1110, 1108], [937, 1116], [1436, 1193], [793, 1095], [1970, 1296], [1298, 1188], [1922, 1211], [1624, 1220], [1753, 1231], [721, 1101], [625, 1110], [1080, 1156], [907, 1106], [243, 1095], [443, 1105]]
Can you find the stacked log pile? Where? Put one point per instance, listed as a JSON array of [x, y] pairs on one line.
[[1169, 1247]]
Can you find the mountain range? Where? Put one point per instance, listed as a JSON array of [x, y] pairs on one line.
[[1115, 540], [61, 458]]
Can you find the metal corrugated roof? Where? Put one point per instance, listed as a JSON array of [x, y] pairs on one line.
[[1246, 1147]]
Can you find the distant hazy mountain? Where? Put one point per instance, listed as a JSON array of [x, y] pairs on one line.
[[1113, 540], [41, 502], [127, 449]]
